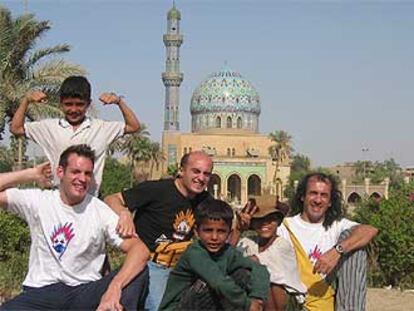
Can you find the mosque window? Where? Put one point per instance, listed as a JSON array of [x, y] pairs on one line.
[[218, 122], [228, 152], [239, 122], [229, 122], [189, 149], [233, 152], [185, 150]]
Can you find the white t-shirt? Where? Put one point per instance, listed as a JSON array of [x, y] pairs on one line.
[[68, 242], [55, 135], [279, 259], [314, 239]]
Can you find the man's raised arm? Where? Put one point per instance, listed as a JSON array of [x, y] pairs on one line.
[[17, 124], [40, 174], [126, 226]]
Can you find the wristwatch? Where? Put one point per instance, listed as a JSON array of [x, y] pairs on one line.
[[338, 247]]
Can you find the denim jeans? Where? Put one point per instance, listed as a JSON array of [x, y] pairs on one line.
[[86, 296], [158, 275]]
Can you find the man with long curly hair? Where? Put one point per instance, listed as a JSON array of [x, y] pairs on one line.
[[328, 247]]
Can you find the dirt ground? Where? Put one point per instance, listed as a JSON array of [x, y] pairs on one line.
[[379, 299]]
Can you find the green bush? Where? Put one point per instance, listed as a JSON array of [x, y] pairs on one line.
[[14, 253], [116, 177], [394, 245]]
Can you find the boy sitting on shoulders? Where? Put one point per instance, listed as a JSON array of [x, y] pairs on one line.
[[212, 274]]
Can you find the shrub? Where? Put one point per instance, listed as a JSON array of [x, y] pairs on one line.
[[14, 253], [394, 245]]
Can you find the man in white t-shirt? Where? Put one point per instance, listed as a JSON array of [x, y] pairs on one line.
[[69, 229], [320, 251], [55, 135]]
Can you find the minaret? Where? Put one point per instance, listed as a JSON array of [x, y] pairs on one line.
[[172, 77]]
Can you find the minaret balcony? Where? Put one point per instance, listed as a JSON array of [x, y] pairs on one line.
[[173, 40]]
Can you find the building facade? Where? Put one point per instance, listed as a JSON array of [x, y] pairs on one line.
[[225, 110]]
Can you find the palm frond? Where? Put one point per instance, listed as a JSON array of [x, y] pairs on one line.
[[40, 54]]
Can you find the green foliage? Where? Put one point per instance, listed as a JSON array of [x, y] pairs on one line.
[[172, 169], [23, 67], [299, 168], [378, 171], [116, 177], [14, 253], [394, 249], [6, 159]]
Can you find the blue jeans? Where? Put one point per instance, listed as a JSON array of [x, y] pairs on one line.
[[86, 296], [158, 275]]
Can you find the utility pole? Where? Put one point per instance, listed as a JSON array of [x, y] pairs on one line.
[[364, 151]]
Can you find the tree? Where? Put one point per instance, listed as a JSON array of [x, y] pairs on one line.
[[378, 171], [394, 244], [299, 168], [6, 159], [281, 150], [116, 177], [23, 68]]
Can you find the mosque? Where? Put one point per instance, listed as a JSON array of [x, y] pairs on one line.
[[225, 111]]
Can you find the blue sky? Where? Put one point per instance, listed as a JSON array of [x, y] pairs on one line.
[[337, 75]]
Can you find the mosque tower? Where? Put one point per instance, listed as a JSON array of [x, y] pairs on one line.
[[172, 77]]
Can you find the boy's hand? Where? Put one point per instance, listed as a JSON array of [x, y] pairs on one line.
[[244, 217], [126, 227], [110, 98], [36, 96], [256, 305]]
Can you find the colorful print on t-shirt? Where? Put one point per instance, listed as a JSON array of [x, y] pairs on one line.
[[61, 237], [183, 224], [315, 254]]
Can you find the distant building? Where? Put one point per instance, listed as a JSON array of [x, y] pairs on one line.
[[225, 110]]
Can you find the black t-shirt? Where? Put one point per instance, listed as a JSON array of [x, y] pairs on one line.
[[162, 213]]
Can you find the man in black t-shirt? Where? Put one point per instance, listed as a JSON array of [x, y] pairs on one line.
[[163, 212]]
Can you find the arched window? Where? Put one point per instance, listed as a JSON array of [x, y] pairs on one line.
[[229, 122], [228, 152], [185, 150], [233, 152], [218, 122], [239, 122]]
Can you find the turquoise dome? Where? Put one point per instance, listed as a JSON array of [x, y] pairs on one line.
[[225, 91]]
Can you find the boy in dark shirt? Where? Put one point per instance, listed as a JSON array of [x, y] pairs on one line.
[[212, 274]]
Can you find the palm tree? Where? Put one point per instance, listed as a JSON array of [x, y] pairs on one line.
[[281, 150], [6, 159], [156, 155], [23, 68]]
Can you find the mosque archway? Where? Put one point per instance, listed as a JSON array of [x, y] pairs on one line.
[[354, 198], [214, 186], [229, 123], [218, 122], [239, 123], [254, 185], [234, 188]]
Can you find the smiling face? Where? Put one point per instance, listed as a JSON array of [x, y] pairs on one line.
[[74, 109], [213, 234], [317, 200], [75, 179], [195, 174], [266, 227]]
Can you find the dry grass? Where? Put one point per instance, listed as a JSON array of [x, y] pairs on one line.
[[379, 299]]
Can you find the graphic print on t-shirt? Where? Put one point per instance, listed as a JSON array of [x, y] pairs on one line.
[[60, 237], [315, 254], [183, 224]]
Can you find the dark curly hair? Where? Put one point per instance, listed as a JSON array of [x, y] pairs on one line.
[[334, 212]]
